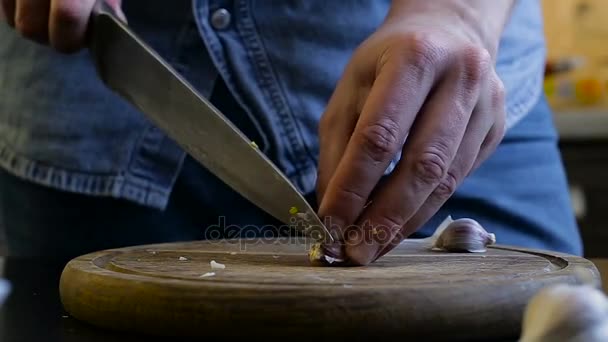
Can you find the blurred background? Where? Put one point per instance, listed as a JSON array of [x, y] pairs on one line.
[[576, 86]]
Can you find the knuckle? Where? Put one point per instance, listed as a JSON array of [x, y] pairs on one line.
[[343, 201], [349, 195], [447, 186], [380, 140], [423, 51], [391, 220], [475, 62], [430, 167]]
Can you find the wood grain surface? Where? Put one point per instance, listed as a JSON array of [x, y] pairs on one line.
[[268, 289]]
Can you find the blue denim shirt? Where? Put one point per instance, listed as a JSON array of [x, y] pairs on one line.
[[59, 125]]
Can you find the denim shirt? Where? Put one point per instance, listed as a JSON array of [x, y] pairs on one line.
[[60, 126]]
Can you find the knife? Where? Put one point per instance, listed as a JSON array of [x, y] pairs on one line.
[[133, 70]]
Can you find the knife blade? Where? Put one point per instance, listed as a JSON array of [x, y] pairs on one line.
[[133, 70]]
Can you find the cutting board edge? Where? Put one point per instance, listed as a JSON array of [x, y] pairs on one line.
[[137, 307], [92, 307]]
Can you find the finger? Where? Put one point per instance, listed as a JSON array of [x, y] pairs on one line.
[[68, 24], [483, 135], [496, 97], [32, 18], [427, 158], [394, 100], [480, 128], [490, 144], [336, 126], [8, 9]]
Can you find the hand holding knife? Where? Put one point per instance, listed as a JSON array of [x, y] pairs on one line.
[[133, 70]]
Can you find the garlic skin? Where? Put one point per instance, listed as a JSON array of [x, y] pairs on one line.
[[462, 235], [566, 313]]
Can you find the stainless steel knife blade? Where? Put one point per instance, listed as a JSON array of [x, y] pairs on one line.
[[132, 69]]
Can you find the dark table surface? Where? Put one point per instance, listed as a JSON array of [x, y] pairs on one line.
[[33, 310]]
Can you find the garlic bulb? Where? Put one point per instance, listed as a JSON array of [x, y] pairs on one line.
[[462, 235], [566, 313]]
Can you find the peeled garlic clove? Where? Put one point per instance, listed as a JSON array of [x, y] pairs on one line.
[[217, 265], [464, 235]]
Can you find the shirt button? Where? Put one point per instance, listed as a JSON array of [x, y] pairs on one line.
[[220, 19]]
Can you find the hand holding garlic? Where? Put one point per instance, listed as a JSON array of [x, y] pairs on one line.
[[463, 235]]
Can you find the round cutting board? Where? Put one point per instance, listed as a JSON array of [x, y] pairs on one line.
[[269, 289]]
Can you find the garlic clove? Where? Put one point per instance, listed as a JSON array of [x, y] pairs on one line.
[[566, 312], [442, 226], [464, 235], [323, 255]]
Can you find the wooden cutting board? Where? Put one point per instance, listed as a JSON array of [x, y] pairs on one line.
[[268, 289]]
